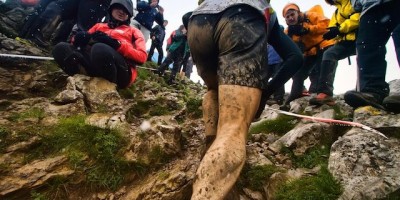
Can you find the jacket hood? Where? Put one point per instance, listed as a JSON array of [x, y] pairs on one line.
[[127, 4]]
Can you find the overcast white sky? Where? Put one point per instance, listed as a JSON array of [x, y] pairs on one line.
[[346, 75]]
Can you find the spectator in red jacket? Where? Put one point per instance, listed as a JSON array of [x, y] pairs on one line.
[[110, 50]]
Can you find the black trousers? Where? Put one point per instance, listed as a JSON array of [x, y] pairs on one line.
[[158, 46], [375, 28], [100, 61]]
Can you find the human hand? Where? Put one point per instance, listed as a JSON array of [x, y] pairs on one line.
[[81, 39], [297, 30], [332, 33], [160, 9], [104, 38]]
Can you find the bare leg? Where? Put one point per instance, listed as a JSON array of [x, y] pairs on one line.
[[221, 166]]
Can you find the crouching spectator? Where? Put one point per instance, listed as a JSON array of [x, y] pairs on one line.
[[109, 50]]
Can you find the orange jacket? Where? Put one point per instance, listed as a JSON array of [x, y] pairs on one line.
[[317, 25]]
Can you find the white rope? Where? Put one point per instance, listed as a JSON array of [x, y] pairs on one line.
[[26, 56], [319, 119], [48, 58]]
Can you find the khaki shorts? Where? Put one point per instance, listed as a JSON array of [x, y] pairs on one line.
[[231, 44]]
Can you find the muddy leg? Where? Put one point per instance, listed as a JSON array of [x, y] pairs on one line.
[[221, 165]]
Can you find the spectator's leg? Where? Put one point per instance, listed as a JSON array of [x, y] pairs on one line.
[[151, 51], [160, 54], [371, 51], [110, 64]]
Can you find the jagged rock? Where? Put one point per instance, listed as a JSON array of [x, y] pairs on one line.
[[103, 120], [366, 164], [388, 124], [305, 136], [175, 183], [155, 145], [298, 105], [22, 145], [269, 114], [253, 195], [33, 175], [254, 157], [100, 95]]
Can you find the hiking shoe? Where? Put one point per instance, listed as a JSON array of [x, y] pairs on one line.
[[392, 103], [358, 99], [322, 99]]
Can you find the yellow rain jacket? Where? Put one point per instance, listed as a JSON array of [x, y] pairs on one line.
[[346, 19], [317, 24]]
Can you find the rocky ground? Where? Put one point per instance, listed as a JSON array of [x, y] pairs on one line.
[[80, 138]]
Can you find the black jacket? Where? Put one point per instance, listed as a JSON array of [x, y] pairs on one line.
[[159, 32]]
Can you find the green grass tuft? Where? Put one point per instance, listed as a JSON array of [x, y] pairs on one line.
[[257, 176], [193, 106], [311, 158], [321, 186], [91, 150], [280, 125], [35, 113]]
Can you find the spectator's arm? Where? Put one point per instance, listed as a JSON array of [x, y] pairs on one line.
[[350, 24], [135, 51], [318, 25], [159, 19]]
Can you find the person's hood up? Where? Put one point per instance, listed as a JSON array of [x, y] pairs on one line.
[[127, 4]]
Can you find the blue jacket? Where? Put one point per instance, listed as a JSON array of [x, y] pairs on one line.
[[273, 57], [147, 15]]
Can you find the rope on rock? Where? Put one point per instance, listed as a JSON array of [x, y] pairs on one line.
[[47, 58], [333, 121]]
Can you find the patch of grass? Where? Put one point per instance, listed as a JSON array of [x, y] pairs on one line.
[[321, 186], [148, 108], [50, 66], [256, 177], [38, 196], [193, 106], [311, 158], [163, 175], [35, 113], [159, 110], [280, 125], [91, 150], [339, 115], [127, 93]]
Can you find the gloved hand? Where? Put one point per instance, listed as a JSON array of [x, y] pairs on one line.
[[81, 39], [332, 33], [104, 38], [297, 30]]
